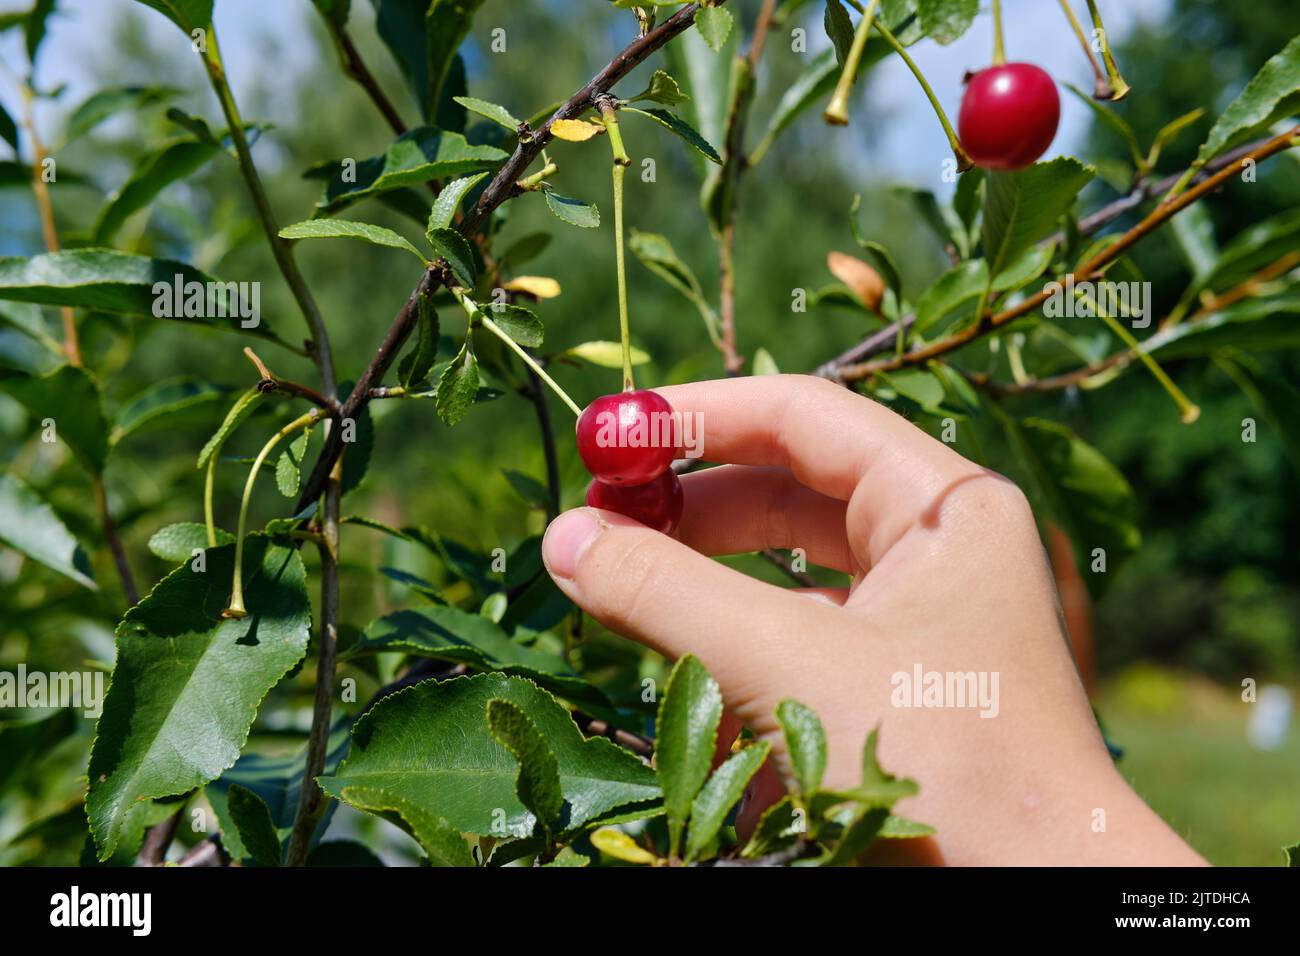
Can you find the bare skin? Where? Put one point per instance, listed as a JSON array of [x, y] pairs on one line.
[[947, 572]]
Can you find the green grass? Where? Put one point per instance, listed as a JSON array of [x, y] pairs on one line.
[[1186, 753]]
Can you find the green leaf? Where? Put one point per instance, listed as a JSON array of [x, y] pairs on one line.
[[538, 784], [704, 75], [450, 634], [1080, 490], [662, 89], [839, 27], [1251, 250], [188, 682], [418, 362], [714, 24], [569, 857], [1273, 94], [109, 281], [288, 467], [423, 36], [430, 744], [344, 229], [960, 286], [177, 542], [656, 254], [1292, 854], [861, 832], [528, 488], [680, 127], [444, 207], [189, 15], [1110, 118], [152, 174], [805, 741], [724, 788], [415, 158], [897, 828], [621, 846], [1021, 209], [519, 323], [778, 827], [29, 525], [689, 713], [1251, 325], [1275, 398], [946, 20], [245, 405], [496, 113], [167, 402], [604, 354], [252, 819], [68, 400], [443, 844], [450, 246], [815, 82], [575, 212], [457, 387]]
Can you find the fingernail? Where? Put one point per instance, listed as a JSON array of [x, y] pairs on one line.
[[566, 539]]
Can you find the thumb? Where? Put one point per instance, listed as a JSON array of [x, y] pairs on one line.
[[658, 592]]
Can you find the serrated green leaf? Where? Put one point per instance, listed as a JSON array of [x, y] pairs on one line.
[[839, 27], [177, 542], [778, 827], [345, 229], [1271, 95], [416, 364], [67, 400], [960, 286], [805, 742], [244, 406], [705, 76], [166, 403], [605, 354], [680, 128], [29, 525], [689, 713], [662, 89], [898, 828], [722, 791], [496, 113], [522, 325], [1021, 208], [946, 20], [415, 158], [188, 682], [569, 857], [575, 212], [423, 36], [444, 207], [450, 246], [815, 82], [860, 833], [443, 844], [252, 819], [457, 387], [714, 24], [430, 744], [288, 467], [538, 783]]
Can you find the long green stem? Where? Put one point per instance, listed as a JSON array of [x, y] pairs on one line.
[[963, 161], [1119, 88], [837, 110], [621, 161], [999, 41], [1188, 410], [236, 608], [1101, 89], [476, 315], [208, 482]]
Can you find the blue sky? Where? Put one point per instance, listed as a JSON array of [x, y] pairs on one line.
[[907, 147]]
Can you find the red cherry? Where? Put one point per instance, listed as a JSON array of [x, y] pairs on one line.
[[656, 504], [1008, 116], [628, 438]]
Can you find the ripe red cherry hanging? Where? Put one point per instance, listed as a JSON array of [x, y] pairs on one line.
[[1009, 116], [656, 504], [627, 438]]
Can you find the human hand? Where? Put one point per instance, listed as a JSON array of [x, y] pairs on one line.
[[947, 575]]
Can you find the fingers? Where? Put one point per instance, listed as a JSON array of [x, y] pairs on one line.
[[735, 509], [656, 590], [832, 440]]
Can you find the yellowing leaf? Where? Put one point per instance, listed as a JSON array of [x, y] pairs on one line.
[[539, 287], [574, 131], [620, 846], [865, 281]]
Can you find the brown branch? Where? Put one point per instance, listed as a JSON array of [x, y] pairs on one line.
[[778, 559], [207, 852], [886, 338], [153, 851], [270, 382], [1158, 217], [528, 148], [594, 727]]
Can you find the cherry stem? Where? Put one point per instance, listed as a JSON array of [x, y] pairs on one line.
[[208, 482], [837, 110], [236, 608], [476, 315], [1186, 408], [1119, 88], [534, 182], [963, 160], [999, 44], [1102, 89], [609, 117]]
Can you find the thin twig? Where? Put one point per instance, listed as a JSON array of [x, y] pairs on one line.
[[778, 559], [355, 67], [208, 852], [270, 382], [153, 851]]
